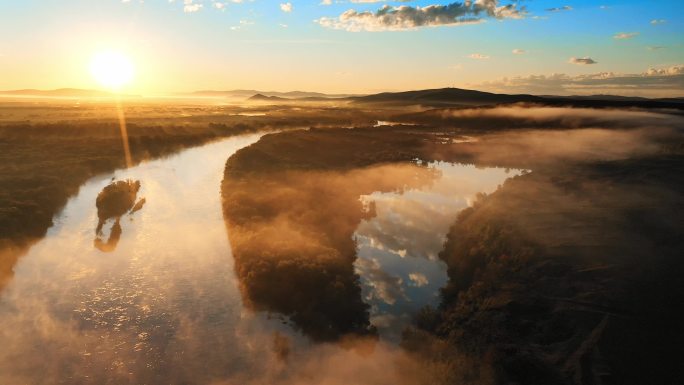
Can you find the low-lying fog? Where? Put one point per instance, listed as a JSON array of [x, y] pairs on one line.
[[308, 273]]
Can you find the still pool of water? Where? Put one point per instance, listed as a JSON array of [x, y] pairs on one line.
[[398, 248], [163, 305]]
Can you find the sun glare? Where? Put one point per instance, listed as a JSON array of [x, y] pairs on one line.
[[112, 69]]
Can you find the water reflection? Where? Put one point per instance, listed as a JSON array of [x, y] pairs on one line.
[[292, 241], [398, 246], [346, 251], [113, 202]]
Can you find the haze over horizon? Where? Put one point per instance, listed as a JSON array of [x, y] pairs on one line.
[[572, 47]]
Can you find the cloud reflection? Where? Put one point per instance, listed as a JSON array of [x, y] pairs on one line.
[[291, 234], [398, 247]]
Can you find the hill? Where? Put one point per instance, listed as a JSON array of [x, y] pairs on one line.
[[454, 97], [445, 96], [243, 94], [264, 98]]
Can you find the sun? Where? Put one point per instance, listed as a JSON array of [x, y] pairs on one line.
[[112, 69]]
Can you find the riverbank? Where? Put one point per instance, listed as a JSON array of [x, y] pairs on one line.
[[567, 278]]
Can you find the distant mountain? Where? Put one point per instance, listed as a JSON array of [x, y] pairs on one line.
[[454, 97], [281, 100], [457, 97], [63, 93], [445, 96], [243, 94], [264, 98]]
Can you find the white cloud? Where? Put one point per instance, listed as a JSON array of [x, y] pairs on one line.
[[654, 82], [658, 21], [286, 7], [625, 35], [189, 6], [519, 51], [389, 18], [192, 8], [667, 71], [478, 56]]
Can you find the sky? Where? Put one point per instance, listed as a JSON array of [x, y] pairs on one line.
[[629, 47]]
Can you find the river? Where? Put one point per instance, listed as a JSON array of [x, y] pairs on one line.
[[163, 304]]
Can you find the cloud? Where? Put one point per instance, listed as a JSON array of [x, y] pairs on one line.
[[478, 56], [654, 82], [625, 35], [371, 1], [582, 60], [519, 51], [559, 9], [658, 21], [389, 18], [190, 7], [667, 71], [286, 7]]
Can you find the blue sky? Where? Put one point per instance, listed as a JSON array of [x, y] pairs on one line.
[[270, 45]]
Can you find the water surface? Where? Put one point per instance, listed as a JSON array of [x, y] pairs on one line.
[[398, 248], [162, 304], [159, 306]]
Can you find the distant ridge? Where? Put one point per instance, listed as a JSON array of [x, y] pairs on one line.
[[446, 96], [455, 97], [243, 94], [264, 98]]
